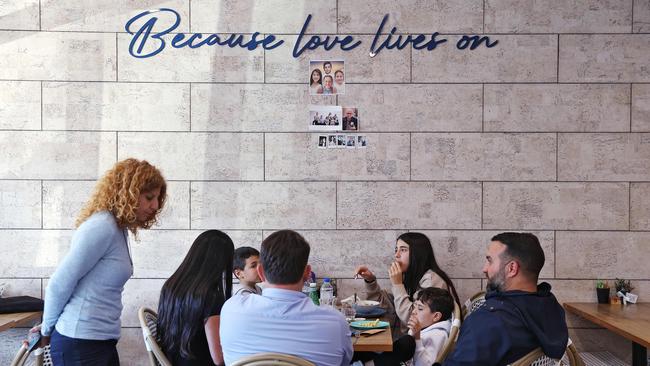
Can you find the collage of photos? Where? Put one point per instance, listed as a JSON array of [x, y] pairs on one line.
[[342, 141], [326, 77]]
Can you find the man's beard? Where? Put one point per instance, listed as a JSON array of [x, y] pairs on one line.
[[497, 282]]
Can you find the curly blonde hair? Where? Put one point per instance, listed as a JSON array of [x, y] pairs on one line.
[[118, 192]]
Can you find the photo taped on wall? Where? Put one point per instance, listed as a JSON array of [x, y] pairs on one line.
[[326, 77], [322, 142], [362, 142], [350, 119], [325, 118]]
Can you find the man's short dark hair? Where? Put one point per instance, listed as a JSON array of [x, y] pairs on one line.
[[240, 256], [525, 248], [327, 63], [438, 299], [284, 256]]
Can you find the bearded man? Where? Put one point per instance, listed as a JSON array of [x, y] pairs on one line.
[[519, 315]]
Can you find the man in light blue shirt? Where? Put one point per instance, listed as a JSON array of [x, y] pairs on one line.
[[283, 319]]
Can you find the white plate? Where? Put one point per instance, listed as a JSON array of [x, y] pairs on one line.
[[350, 301], [367, 303]]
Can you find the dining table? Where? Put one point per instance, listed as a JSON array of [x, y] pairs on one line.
[[631, 321], [381, 341], [11, 320]]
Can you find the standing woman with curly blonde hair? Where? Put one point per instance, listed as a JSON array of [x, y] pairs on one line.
[[83, 301]]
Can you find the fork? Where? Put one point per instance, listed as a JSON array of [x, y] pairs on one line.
[[357, 335]]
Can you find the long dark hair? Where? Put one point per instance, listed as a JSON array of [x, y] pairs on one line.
[[421, 259], [201, 282]]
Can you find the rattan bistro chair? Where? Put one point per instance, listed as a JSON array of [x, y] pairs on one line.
[[537, 358], [453, 335], [572, 355], [473, 303], [40, 357], [274, 359], [149, 324]]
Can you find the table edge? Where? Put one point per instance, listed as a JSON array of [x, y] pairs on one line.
[[33, 315], [372, 348], [569, 306]]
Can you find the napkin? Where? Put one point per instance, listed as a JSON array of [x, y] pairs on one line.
[[372, 331]]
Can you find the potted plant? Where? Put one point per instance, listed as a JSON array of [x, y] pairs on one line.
[[602, 291], [623, 286]]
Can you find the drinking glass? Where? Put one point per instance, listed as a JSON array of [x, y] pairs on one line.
[[348, 311]]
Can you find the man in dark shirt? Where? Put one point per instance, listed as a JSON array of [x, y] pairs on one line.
[[518, 315]]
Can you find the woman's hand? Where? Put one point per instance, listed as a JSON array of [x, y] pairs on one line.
[[36, 332], [395, 273], [415, 326], [365, 273]]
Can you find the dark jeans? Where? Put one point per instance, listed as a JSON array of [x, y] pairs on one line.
[[403, 350], [67, 351]]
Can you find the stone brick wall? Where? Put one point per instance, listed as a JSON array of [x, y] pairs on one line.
[[548, 132]]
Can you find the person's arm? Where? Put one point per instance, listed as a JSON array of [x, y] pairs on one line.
[[346, 337], [88, 246], [403, 305], [428, 347], [375, 293], [423, 355], [423, 344], [214, 342]]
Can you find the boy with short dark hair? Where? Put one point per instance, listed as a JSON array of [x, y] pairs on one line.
[[244, 266], [430, 323], [429, 328]]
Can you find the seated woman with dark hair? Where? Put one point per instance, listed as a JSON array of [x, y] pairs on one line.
[[191, 301], [414, 268]]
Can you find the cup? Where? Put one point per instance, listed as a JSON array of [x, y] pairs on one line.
[[331, 302], [348, 312]]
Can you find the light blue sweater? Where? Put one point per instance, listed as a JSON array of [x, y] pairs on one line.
[[83, 299]]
